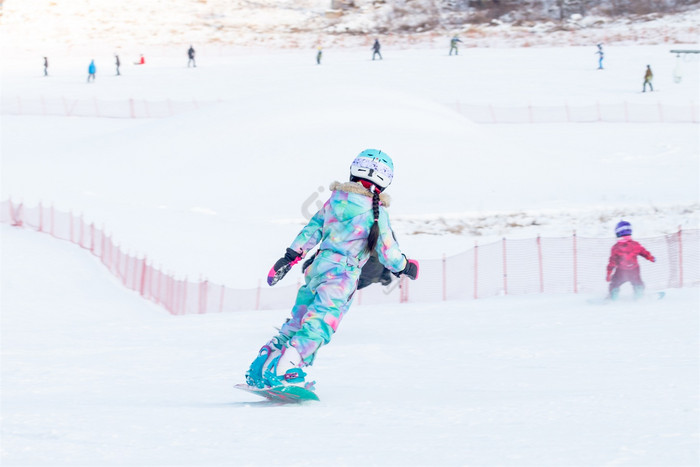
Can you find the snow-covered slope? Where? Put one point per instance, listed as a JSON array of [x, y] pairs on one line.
[[93, 375]]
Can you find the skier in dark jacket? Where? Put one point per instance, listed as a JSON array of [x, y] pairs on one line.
[[46, 66], [375, 49], [190, 55]]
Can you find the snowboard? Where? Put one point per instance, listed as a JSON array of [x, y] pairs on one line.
[[652, 296], [284, 394]]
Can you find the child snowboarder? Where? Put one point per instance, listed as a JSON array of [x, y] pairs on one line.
[[623, 266], [648, 76], [352, 225]]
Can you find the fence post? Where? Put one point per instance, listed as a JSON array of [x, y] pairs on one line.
[[70, 217], [539, 257], [505, 268], [41, 217], [575, 264], [144, 271], [476, 269], [680, 255], [203, 287], [92, 238], [183, 305]]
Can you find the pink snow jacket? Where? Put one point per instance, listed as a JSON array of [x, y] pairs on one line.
[[623, 254]]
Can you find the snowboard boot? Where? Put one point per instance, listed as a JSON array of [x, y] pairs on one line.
[[268, 353], [285, 370], [638, 292], [614, 294]]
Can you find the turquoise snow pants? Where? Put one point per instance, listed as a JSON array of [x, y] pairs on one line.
[[330, 283]]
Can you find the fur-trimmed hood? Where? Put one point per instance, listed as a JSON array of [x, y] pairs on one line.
[[356, 187]]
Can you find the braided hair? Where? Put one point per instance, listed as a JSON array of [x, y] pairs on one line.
[[374, 231]]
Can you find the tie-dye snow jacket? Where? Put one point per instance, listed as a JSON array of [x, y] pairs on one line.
[[342, 226]]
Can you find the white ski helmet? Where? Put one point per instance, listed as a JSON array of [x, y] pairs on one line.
[[374, 166]]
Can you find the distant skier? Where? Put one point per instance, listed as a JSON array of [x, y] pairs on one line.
[[117, 63], [453, 45], [648, 76], [622, 265], [46, 66], [350, 227], [375, 49], [319, 54], [141, 61], [600, 56], [190, 55], [91, 71]]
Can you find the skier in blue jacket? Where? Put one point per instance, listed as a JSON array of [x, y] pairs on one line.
[[91, 71]]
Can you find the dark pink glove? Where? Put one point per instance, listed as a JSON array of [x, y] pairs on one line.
[[282, 266]]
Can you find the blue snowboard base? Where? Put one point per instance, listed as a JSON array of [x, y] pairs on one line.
[[285, 394]]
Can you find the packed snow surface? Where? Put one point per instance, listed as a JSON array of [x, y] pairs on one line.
[[94, 375]]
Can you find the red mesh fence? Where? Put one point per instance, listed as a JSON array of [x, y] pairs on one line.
[[623, 112], [506, 267]]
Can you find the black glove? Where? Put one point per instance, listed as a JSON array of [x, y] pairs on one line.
[[411, 269], [282, 266]]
